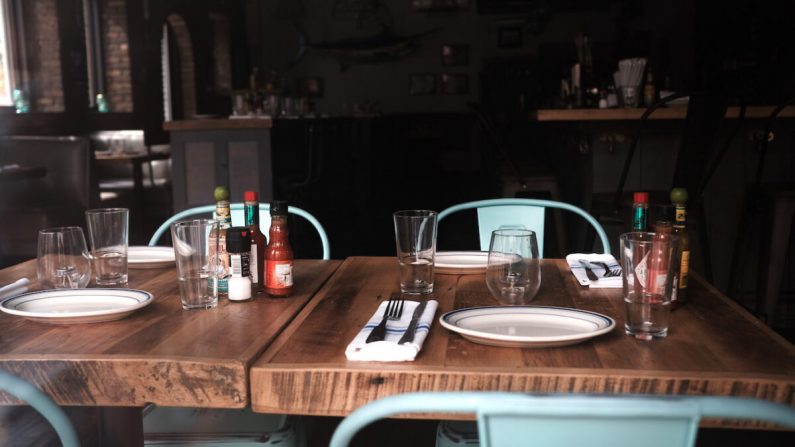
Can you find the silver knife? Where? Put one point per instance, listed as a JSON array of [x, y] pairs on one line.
[[588, 272], [408, 336]]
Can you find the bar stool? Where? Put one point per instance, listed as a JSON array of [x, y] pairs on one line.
[[774, 205]]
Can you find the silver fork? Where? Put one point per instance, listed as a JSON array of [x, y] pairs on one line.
[[393, 311], [608, 271]]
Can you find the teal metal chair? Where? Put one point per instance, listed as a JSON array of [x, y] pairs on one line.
[[238, 219], [42, 403], [526, 214], [515, 419]]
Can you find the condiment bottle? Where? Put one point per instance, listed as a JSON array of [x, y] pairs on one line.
[[279, 253], [640, 211], [258, 242], [649, 89], [217, 238], [663, 225], [238, 246], [679, 199]]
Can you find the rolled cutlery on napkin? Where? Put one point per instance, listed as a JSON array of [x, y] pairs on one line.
[[581, 263], [389, 350], [15, 288]]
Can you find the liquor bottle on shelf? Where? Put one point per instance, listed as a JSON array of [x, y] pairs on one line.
[[279, 254], [649, 89], [217, 238], [640, 211], [258, 241], [679, 199]]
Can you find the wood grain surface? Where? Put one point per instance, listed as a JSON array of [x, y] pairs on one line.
[[714, 347], [161, 354]]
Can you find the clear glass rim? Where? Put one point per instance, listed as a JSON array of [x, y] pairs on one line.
[[415, 213], [193, 223], [646, 236], [107, 210], [67, 229], [513, 232]]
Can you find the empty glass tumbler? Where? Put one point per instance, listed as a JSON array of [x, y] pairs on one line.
[[63, 259], [513, 272], [415, 237], [108, 229]]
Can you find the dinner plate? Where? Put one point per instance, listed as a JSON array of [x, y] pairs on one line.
[[526, 326], [460, 262], [68, 306], [143, 257]]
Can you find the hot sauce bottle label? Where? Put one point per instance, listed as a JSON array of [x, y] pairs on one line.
[[683, 272], [280, 274], [253, 264]]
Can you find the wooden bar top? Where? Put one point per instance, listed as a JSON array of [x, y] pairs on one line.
[[160, 354], [218, 124], [673, 112], [714, 348]]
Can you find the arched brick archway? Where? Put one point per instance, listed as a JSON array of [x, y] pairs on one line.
[[187, 68]]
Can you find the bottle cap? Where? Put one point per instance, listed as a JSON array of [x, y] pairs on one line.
[[250, 196], [640, 197], [664, 212], [221, 193], [279, 208], [237, 240]]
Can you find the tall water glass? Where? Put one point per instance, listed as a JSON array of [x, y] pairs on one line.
[[108, 230], [415, 237], [197, 271], [62, 258], [648, 261], [513, 272]]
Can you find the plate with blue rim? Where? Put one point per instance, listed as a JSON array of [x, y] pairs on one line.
[[526, 326], [70, 306]]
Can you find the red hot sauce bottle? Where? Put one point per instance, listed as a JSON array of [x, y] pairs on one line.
[[279, 254]]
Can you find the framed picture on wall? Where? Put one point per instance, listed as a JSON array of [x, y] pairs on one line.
[[455, 83], [422, 84], [455, 55]]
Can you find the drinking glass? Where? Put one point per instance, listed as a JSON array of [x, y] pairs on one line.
[[415, 237], [63, 259], [197, 268], [513, 272], [108, 230], [648, 261]]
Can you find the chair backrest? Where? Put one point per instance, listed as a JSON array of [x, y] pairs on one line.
[[494, 214], [513, 419], [239, 220], [42, 403], [764, 140]]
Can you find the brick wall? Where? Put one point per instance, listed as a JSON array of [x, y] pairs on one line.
[[41, 17], [116, 55], [187, 67]]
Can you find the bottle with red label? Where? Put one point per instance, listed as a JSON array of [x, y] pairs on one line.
[[279, 254]]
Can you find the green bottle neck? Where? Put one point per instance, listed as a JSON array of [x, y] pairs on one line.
[[252, 213]]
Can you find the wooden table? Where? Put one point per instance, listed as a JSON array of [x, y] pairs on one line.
[[161, 354], [714, 348]]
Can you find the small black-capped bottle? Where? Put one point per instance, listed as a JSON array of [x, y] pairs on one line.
[[238, 246]]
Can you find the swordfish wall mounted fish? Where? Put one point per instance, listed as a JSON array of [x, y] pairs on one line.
[[380, 48]]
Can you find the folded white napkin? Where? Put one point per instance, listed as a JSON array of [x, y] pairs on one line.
[[388, 350], [15, 288], [603, 282]]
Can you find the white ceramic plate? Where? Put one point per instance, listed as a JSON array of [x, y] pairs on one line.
[[68, 306], [526, 326], [461, 262], [142, 257]]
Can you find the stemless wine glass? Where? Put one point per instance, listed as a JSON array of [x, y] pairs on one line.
[[63, 259], [513, 273]]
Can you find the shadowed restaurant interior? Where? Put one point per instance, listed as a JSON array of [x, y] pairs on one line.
[[556, 164]]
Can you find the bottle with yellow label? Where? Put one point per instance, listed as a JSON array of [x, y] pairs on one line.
[[679, 199]]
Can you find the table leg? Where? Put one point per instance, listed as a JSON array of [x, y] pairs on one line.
[[121, 427]]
